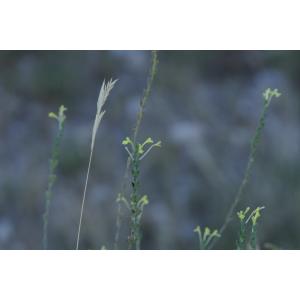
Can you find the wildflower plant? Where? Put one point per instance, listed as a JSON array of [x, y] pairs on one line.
[[103, 95], [136, 152], [206, 237], [140, 114], [60, 117], [247, 238], [267, 96]]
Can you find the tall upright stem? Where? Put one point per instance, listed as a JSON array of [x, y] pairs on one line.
[[83, 200]]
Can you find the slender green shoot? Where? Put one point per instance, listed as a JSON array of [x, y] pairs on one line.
[[206, 237], [60, 117], [247, 238], [136, 152], [254, 221], [146, 94], [140, 114], [268, 95], [103, 95], [241, 242]]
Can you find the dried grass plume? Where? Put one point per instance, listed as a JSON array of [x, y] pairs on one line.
[[104, 92]]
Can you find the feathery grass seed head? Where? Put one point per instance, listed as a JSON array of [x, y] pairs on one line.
[[103, 95]]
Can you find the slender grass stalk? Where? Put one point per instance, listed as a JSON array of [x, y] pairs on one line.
[[104, 92], [137, 203], [267, 97], [146, 94], [53, 164], [140, 114]]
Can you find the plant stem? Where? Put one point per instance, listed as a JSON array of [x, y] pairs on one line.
[[53, 164], [142, 105], [241, 242], [253, 150], [253, 237], [251, 160], [135, 232], [146, 94], [83, 200], [103, 95]]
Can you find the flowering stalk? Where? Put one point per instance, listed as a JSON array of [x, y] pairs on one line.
[[140, 114], [246, 240], [137, 203], [268, 95], [53, 164], [206, 237]]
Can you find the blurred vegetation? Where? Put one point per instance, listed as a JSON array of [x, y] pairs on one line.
[[204, 107]]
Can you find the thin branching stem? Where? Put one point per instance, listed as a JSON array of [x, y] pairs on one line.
[[140, 114], [136, 203], [267, 95]]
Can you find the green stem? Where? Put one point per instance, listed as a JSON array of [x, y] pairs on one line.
[[253, 150], [135, 231], [53, 164], [253, 237], [142, 105], [241, 242]]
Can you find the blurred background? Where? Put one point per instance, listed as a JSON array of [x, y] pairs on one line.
[[204, 107]]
